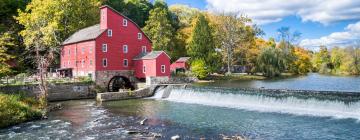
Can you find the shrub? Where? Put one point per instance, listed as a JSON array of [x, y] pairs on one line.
[[199, 68], [15, 109]]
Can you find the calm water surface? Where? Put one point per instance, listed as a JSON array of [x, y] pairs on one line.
[[311, 81]]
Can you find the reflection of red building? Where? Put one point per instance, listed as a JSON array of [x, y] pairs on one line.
[[181, 64], [108, 49]]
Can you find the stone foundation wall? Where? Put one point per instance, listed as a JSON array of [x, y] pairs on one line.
[[102, 78], [57, 92], [113, 96], [156, 80]]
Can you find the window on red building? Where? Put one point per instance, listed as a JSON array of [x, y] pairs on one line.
[[144, 69], [105, 62], [124, 22], [125, 49], [82, 63], [143, 49], [162, 68], [109, 33], [139, 36], [125, 63], [104, 47]]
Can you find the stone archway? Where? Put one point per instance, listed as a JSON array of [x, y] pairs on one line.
[[119, 82]]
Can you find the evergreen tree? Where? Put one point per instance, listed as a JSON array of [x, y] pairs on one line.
[[6, 41], [201, 44]]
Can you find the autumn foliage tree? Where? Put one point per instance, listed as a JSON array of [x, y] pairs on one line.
[[46, 24]]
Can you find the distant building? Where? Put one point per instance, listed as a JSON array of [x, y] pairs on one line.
[[116, 47], [182, 64]]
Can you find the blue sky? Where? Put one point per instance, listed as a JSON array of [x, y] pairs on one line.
[[321, 22]]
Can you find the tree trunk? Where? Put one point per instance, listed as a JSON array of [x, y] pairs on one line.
[[229, 60]]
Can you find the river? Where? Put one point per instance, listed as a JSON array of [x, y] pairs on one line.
[[312, 81], [205, 112]]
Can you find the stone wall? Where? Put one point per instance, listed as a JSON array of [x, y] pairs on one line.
[[171, 80], [103, 77], [113, 96], [57, 92]]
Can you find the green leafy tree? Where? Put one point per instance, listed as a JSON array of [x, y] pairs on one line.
[[199, 69], [46, 24], [271, 62], [232, 33], [202, 44], [322, 60], [159, 30]]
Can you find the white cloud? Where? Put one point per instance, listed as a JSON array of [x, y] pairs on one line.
[[348, 37], [267, 11]]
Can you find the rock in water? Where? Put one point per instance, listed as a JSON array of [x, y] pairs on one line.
[[176, 137], [143, 121]]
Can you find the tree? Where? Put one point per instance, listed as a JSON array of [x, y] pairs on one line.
[[136, 10], [321, 60], [6, 41], [159, 30], [199, 69], [271, 62], [232, 32], [186, 16], [46, 24], [201, 45], [302, 63]]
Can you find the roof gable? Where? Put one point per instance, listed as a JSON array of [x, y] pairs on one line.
[[182, 59], [150, 55], [88, 33], [117, 12]]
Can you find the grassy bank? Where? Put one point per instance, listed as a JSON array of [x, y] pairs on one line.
[[15, 109]]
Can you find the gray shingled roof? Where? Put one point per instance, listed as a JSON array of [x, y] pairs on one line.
[[87, 33], [149, 55], [183, 59]]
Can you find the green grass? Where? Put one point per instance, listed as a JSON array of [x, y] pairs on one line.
[[16, 109]]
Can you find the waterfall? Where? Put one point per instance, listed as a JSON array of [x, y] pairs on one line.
[[260, 102]]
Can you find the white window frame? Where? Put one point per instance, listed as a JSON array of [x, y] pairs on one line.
[[125, 49], [69, 51], [68, 63], [90, 62], [90, 50], [125, 22], [127, 62], [82, 50], [104, 47], [109, 33], [139, 36], [143, 49], [162, 67], [144, 69], [104, 60], [82, 63]]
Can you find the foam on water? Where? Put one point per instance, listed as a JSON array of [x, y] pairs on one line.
[[290, 105], [158, 93]]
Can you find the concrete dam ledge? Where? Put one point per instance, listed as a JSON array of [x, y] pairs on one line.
[[123, 95]]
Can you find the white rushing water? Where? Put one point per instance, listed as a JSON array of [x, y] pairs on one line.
[[158, 93], [290, 105]]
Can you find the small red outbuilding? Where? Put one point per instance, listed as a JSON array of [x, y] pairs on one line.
[[181, 64], [152, 64]]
